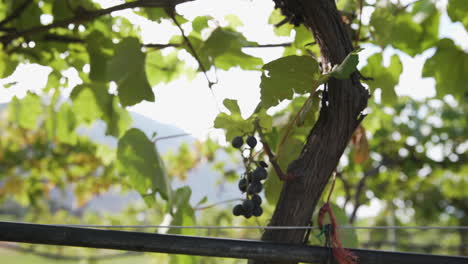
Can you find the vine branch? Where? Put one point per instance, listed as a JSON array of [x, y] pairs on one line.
[[192, 49], [171, 137], [271, 156], [72, 39], [216, 204], [16, 12], [85, 16]]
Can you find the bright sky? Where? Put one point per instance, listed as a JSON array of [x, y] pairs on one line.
[[191, 106]]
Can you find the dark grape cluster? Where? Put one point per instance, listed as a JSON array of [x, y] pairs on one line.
[[251, 182]]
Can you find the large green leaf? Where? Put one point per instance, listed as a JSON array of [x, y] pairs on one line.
[[127, 69], [426, 14], [412, 32], [458, 11], [61, 10], [183, 213], [65, 124], [26, 111], [96, 45], [138, 159], [30, 17], [283, 77], [7, 64], [61, 124], [183, 216], [449, 67], [165, 68], [117, 118], [224, 50], [384, 78], [273, 186], [275, 18], [91, 102], [399, 30], [200, 23]]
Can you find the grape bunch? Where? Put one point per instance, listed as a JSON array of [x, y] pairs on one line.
[[251, 182]]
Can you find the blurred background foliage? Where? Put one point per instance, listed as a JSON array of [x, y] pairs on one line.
[[405, 165]]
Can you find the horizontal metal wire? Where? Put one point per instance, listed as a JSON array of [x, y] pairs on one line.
[[266, 227]]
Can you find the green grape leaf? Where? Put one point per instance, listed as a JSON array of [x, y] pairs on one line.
[[303, 43], [310, 108], [86, 107], [426, 14], [289, 151], [198, 24], [234, 21], [224, 49], [64, 125], [396, 28], [165, 68], [155, 14], [96, 43], [384, 78], [283, 77], [347, 5], [184, 214], [232, 123], [127, 69], [347, 67], [275, 18], [458, 11], [61, 124], [118, 120], [235, 125], [448, 66], [303, 37], [138, 159], [7, 64], [91, 102], [26, 111], [53, 81], [61, 10], [29, 18], [273, 186]]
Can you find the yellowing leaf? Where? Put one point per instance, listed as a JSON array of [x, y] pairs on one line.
[[361, 145]]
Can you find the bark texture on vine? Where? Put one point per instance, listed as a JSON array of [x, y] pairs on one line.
[[329, 137]]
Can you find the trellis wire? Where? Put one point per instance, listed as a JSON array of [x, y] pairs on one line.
[[263, 227]]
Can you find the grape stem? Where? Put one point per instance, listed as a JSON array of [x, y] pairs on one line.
[[271, 156], [294, 121], [216, 204]]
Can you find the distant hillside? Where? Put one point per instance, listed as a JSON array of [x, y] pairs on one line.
[[97, 133]]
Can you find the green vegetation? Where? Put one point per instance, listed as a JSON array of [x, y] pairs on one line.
[[408, 156]]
